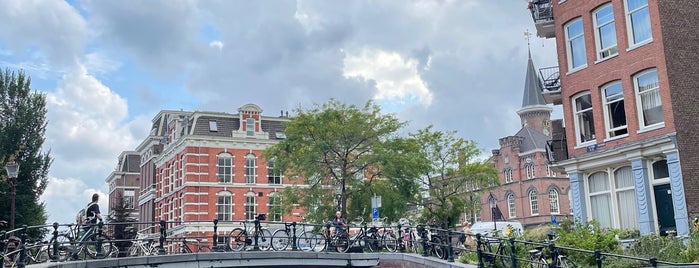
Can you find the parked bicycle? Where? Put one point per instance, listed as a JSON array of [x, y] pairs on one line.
[[190, 247], [496, 252], [72, 244], [306, 240], [240, 238], [538, 260], [143, 244]]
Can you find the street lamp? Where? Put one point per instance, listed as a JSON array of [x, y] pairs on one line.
[[493, 204], [12, 169]]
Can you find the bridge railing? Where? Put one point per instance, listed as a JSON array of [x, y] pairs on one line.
[[129, 239]]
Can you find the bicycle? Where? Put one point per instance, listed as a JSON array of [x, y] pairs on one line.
[[239, 238], [496, 252], [69, 245], [37, 252], [9, 248], [305, 241], [199, 246], [538, 260], [143, 244]]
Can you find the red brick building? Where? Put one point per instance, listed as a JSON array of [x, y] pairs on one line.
[[124, 184], [620, 147], [530, 191]]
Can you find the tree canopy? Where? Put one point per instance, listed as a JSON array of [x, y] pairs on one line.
[[340, 151], [454, 172], [22, 129]]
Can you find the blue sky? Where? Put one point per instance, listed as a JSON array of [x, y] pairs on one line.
[[108, 67]]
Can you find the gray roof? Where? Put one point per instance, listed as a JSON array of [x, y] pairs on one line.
[[532, 87], [532, 139], [226, 125]]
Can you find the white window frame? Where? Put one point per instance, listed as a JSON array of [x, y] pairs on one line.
[[629, 25], [617, 191], [250, 169], [530, 170], [639, 100], [129, 198], [576, 120], [272, 176], [533, 202], [612, 49], [554, 203], [550, 172], [511, 206], [224, 206], [250, 126], [607, 102], [507, 173], [224, 168], [275, 196], [213, 125], [250, 206], [607, 192], [569, 48]]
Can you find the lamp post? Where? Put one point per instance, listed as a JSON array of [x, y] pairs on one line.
[[493, 204], [12, 169]]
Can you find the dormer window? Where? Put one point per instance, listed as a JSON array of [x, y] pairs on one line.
[[250, 126], [213, 126]]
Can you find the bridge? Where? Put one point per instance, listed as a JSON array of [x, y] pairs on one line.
[[264, 259]]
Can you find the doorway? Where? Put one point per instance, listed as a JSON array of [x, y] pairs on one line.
[[664, 208]]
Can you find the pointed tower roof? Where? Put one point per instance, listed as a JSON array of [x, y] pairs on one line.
[[532, 87]]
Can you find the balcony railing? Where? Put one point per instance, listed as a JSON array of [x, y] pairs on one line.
[[551, 80], [542, 13], [556, 150]]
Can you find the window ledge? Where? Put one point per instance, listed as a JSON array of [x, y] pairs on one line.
[[651, 127], [585, 144], [576, 69], [605, 59], [640, 44], [537, 214], [616, 138]]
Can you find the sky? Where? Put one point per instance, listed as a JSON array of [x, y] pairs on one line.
[[107, 68]]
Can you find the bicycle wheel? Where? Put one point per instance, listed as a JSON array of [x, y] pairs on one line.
[[564, 262], [264, 240], [135, 250], [320, 242], [342, 243], [237, 239], [114, 252], [92, 246], [305, 241], [372, 242], [280, 240], [390, 242], [438, 249], [505, 253], [63, 249], [203, 249]]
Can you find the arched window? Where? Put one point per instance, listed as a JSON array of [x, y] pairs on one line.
[[508, 175], [275, 207], [530, 171], [553, 201], [225, 167], [511, 209], [250, 168], [534, 202], [250, 206], [224, 206]]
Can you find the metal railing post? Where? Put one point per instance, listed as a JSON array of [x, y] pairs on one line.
[[513, 252], [653, 262], [215, 243], [256, 247], [554, 255], [54, 254], [479, 250], [23, 250], [400, 239], [423, 237], [98, 247], [451, 247], [598, 258], [293, 237], [163, 236], [328, 239]]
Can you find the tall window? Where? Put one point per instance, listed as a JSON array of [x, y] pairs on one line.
[[225, 167], [275, 207], [553, 202], [250, 126], [534, 202], [274, 176], [614, 113], [550, 172], [250, 168], [650, 107], [605, 31], [600, 204], [530, 171], [129, 198], [250, 206], [508, 175], [584, 121], [224, 206], [626, 198], [575, 45], [511, 209], [638, 22]]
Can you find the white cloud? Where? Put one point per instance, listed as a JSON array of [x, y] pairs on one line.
[[216, 44], [397, 79], [65, 197]]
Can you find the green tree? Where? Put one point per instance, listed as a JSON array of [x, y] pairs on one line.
[[22, 128], [121, 224], [454, 172], [339, 151]]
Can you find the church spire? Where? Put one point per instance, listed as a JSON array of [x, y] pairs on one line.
[[534, 112]]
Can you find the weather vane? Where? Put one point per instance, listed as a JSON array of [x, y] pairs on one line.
[[527, 35]]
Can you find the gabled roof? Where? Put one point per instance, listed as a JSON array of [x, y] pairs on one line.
[[532, 87], [532, 139]]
